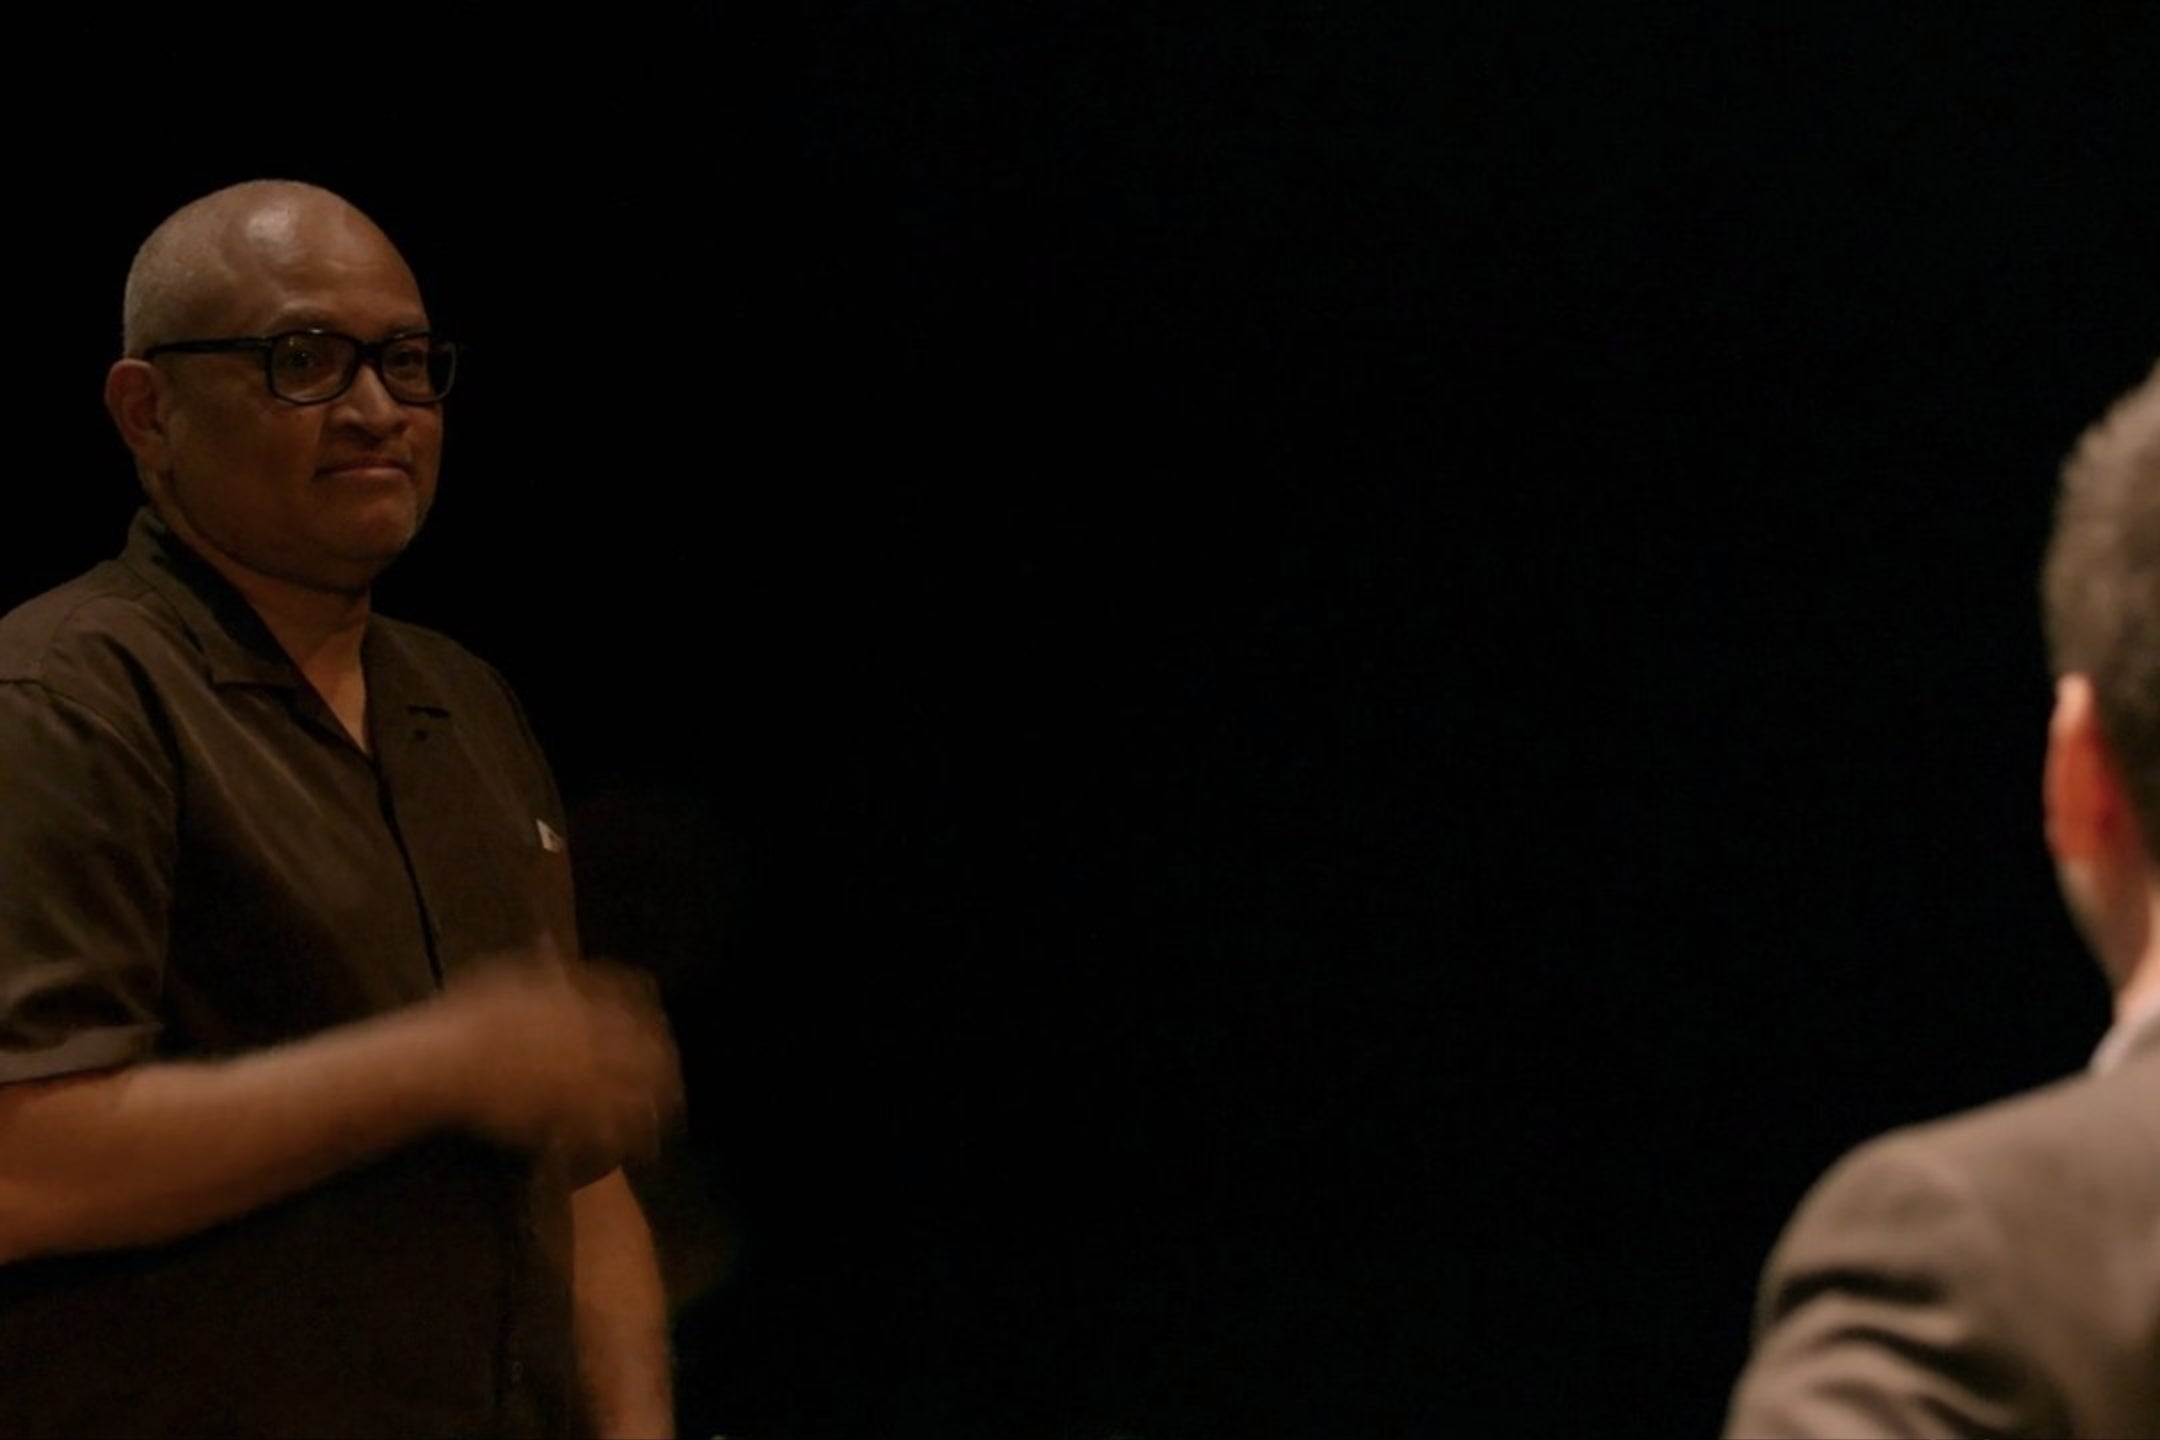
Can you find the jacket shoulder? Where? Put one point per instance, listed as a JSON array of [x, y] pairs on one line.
[[2018, 1153], [1994, 1269]]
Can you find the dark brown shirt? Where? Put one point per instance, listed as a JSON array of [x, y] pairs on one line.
[[195, 860]]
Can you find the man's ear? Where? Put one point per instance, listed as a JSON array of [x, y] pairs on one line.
[[2088, 815], [135, 398]]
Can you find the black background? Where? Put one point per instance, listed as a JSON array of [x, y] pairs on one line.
[[1302, 700]]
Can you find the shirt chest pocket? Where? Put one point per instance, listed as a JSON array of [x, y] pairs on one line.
[[485, 844]]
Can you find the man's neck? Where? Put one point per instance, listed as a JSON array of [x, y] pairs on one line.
[[2142, 995], [319, 629], [2139, 992]]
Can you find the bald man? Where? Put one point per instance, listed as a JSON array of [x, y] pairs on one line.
[[311, 1120], [1999, 1273]]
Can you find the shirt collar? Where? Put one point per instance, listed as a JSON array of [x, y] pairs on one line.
[[2138, 1030], [236, 646]]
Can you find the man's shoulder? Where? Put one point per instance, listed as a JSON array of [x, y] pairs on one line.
[[2043, 1158], [81, 628], [425, 643], [1993, 1266], [416, 665], [2109, 1123], [430, 652]]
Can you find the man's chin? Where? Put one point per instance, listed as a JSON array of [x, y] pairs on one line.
[[348, 558], [377, 535]]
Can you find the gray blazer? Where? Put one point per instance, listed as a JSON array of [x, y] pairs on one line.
[[1997, 1273]]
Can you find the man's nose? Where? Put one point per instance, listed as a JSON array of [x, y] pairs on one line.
[[370, 403]]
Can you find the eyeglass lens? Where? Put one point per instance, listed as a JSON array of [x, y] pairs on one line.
[[311, 366]]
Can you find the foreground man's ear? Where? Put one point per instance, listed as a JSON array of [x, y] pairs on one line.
[[2088, 816], [2092, 831]]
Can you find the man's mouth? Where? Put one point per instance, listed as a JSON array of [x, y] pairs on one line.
[[364, 465]]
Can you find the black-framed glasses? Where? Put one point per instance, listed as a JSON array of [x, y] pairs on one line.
[[314, 367]]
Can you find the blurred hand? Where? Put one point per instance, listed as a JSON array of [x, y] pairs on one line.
[[570, 1061]]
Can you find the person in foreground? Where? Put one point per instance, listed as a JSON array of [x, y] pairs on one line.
[[311, 1117], [1998, 1273]]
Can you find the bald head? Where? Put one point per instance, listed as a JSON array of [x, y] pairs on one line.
[[310, 496], [187, 271]]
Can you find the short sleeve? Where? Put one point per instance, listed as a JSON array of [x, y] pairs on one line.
[[1882, 1313], [87, 820]]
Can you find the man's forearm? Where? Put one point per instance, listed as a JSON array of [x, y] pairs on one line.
[[157, 1151], [622, 1323], [568, 1063]]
